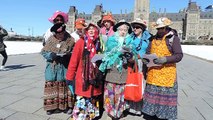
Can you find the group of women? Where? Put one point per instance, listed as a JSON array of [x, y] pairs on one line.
[[78, 84]]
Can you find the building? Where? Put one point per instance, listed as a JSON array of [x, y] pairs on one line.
[[191, 23]]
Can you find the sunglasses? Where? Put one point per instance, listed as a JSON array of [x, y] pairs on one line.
[[137, 27]]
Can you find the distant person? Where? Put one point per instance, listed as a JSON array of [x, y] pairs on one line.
[[58, 17], [57, 52], [80, 24], [161, 92], [3, 34]]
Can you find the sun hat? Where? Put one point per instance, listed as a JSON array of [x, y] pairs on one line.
[[80, 23], [108, 17], [140, 22], [64, 15], [121, 22], [162, 22]]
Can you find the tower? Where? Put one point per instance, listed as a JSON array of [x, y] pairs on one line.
[[192, 21], [72, 17], [141, 9]]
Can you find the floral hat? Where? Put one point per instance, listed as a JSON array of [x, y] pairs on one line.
[[80, 23], [108, 17], [162, 22], [64, 15]]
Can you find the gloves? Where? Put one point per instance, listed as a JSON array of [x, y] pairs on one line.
[[71, 86], [128, 55], [145, 61], [160, 60], [53, 55], [125, 49]]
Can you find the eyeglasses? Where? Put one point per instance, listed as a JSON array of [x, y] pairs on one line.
[[125, 30], [137, 27]]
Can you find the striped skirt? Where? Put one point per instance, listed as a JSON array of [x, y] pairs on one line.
[[160, 101], [57, 96]]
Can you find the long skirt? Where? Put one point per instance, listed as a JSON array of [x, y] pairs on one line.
[[57, 96], [160, 101], [114, 102], [86, 108]]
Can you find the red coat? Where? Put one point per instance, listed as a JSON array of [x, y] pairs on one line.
[[75, 71]]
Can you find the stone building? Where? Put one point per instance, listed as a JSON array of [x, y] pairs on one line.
[[191, 23]]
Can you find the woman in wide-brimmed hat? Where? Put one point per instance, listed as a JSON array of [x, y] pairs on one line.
[[161, 82], [115, 64], [140, 41], [57, 17], [57, 52], [106, 23], [81, 75]]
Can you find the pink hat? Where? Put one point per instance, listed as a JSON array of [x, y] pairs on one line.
[[64, 15]]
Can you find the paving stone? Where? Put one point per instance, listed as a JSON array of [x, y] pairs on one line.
[[7, 99], [27, 105], [15, 89], [34, 93], [26, 116], [4, 113]]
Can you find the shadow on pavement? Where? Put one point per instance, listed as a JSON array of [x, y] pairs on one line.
[[20, 66]]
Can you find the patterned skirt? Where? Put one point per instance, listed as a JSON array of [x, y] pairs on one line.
[[86, 108], [160, 101], [57, 96], [114, 102]]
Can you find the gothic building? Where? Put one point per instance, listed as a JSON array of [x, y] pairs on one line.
[[191, 23]]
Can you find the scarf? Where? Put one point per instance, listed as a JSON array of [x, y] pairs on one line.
[[91, 46], [113, 53]]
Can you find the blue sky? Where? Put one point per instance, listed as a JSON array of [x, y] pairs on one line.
[[30, 17]]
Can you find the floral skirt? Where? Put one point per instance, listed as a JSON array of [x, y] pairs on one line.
[[114, 102], [57, 96], [86, 108], [160, 101]]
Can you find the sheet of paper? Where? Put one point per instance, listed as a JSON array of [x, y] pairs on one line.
[[150, 58], [97, 57]]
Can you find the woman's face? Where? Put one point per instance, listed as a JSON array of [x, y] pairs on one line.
[[58, 19], [107, 24], [137, 30], [91, 31], [123, 30]]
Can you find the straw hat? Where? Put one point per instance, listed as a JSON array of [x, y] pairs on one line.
[[162, 22], [140, 22]]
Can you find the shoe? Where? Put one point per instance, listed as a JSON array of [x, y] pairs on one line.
[[49, 112], [2, 68], [69, 111]]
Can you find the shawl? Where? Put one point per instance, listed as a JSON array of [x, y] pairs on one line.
[[59, 46], [112, 55]]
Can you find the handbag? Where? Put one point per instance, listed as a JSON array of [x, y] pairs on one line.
[[133, 87]]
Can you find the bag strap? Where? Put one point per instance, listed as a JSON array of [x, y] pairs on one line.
[[134, 69]]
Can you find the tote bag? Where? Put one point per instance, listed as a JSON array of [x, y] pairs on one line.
[[133, 87]]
